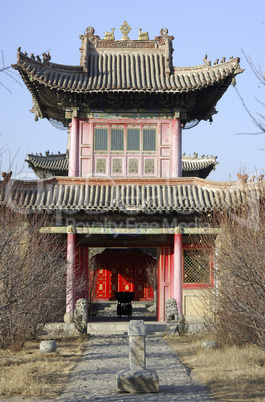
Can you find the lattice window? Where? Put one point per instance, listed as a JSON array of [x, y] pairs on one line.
[[149, 166], [117, 166], [117, 139], [133, 166], [101, 139], [196, 266], [133, 139], [149, 139]]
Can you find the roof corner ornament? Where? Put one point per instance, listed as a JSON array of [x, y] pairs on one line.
[[90, 35], [125, 29], [207, 62], [242, 178], [6, 177], [46, 57], [18, 52], [213, 112], [109, 35], [164, 32], [90, 32], [143, 35]]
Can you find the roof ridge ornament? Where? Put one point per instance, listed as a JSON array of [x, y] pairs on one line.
[[109, 35], [125, 29], [143, 35]]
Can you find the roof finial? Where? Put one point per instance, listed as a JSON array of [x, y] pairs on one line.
[[125, 29]]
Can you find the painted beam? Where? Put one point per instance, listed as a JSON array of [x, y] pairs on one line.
[[136, 231]]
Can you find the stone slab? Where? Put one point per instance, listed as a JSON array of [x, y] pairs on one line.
[[142, 381], [58, 330]]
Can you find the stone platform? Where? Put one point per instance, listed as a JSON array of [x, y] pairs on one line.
[[115, 326]]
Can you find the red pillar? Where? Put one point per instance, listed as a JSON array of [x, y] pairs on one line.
[[177, 287], [176, 155], [176, 171], [165, 280], [70, 273], [74, 149]]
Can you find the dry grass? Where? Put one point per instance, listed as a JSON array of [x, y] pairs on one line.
[[232, 373], [29, 373]]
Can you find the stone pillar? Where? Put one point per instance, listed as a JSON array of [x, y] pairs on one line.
[[176, 149], [137, 334], [70, 277], [137, 378], [177, 288], [73, 170]]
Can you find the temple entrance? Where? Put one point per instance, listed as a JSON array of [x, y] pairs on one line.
[[124, 270]]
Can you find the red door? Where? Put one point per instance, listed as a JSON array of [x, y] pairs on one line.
[[103, 281], [126, 277], [120, 271], [114, 267]]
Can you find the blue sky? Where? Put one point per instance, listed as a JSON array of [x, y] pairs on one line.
[[218, 29]]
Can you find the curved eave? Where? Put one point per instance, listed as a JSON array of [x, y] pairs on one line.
[[137, 78], [179, 196], [57, 165], [204, 84]]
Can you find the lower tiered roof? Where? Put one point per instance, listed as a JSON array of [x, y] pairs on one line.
[[158, 196]]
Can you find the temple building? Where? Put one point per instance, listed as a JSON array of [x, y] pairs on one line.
[[124, 185]]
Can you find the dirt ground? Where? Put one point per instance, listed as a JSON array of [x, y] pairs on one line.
[[29, 373], [232, 373]]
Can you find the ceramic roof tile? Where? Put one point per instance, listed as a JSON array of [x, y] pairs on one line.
[[128, 67], [155, 198]]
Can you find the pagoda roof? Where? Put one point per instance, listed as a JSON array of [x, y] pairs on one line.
[[157, 196], [50, 165], [117, 74]]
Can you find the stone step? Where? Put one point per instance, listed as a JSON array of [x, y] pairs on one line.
[[152, 327], [58, 330], [108, 309], [112, 325]]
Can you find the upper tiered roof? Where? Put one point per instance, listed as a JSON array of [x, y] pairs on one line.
[[125, 74]]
